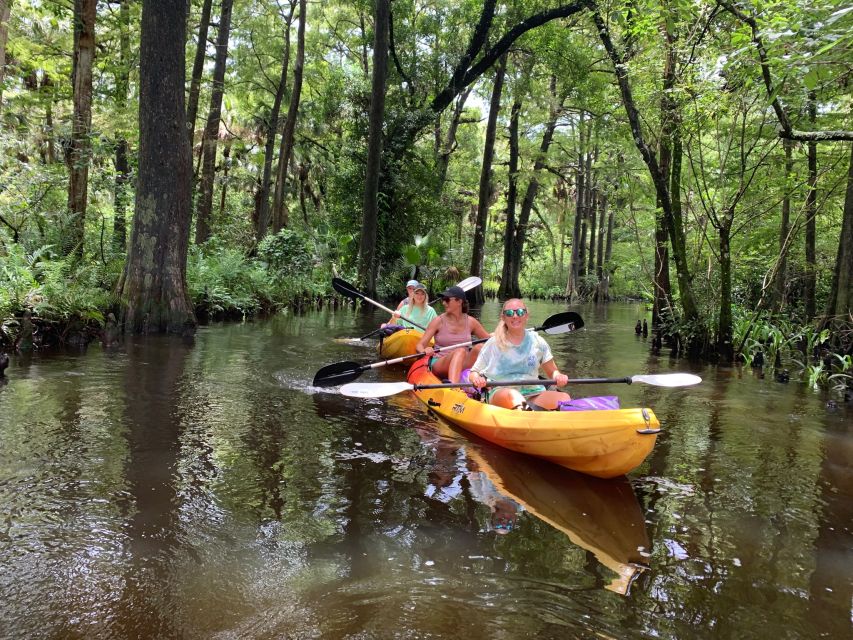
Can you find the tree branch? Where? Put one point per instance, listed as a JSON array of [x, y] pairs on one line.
[[786, 130]]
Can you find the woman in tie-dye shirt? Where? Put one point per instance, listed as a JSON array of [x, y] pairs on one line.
[[514, 353]]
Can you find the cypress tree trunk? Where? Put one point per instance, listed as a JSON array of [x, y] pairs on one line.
[[608, 252], [80, 152], [226, 165], [367, 263], [153, 290], [210, 140], [198, 69], [532, 191], [674, 224], [280, 213], [593, 228], [784, 230], [122, 165], [840, 304], [811, 215], [505, 290], [263, 196], [574, 271], [725, 348], [479, 248]]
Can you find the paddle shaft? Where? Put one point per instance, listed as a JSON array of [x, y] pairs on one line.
[[521, 383], [347, 289]]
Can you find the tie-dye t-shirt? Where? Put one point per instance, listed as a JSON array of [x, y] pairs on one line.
[[516, 362]]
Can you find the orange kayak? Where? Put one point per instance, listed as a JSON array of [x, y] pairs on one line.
[[400, 343], [605, 444]]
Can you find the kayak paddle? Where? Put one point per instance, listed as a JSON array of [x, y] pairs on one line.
[[345, 288], [383, 389], [466, 285], [340, 372]]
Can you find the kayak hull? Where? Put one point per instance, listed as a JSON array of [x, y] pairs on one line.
[[400, 343], [604, 444]]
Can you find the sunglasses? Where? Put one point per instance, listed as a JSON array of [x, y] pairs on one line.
[[448, 299], [509, 313]]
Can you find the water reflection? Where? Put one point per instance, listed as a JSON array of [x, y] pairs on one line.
[[167, 490]]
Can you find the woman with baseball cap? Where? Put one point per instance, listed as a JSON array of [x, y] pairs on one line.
[[418, 311], [454, 326]]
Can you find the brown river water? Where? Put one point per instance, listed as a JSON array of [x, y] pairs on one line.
[[165, 489]]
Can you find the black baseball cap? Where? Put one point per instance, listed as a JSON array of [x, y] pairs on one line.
[[453, 292]]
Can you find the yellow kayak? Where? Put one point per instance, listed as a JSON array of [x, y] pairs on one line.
[[605, 444], [400, 343]]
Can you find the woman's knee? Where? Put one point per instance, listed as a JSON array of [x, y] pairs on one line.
[[507, 398]]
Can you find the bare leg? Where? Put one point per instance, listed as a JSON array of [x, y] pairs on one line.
[[457, 363], [441, 367], [508, 398], [549, 399]]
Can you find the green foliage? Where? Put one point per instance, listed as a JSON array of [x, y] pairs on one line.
[[225, 281], [54, 289]]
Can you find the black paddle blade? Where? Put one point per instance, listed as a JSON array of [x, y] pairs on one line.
[[345, 288], [566, 317], [338, 373]]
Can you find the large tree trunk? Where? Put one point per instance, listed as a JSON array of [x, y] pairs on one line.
[[122, 164], [367, 263], [443, 156], [725, 348], [840, 304], [532, 191], [674, 225], [198, 69], [784, 230], [5, 12], [80, 151], [478, 250], [608, 252], [600, 289], [593, 229], [153, 290], [811, 215], [263, 196], [505, 290], [210, 140], [574, 262], [280, 213]]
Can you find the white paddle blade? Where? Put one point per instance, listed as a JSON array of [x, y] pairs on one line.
[[668, 379], [374, 389], [560, 328], [469, 283]]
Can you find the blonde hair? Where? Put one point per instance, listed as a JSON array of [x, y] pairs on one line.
[[412, 300], [501, 338]]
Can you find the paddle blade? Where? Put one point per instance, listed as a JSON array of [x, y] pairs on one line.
[[375, 389], [346, 289], [562, 323], [469, 283], [668, 379], [338, 373]]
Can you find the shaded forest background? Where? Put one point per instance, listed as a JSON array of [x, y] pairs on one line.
[[170, 161]]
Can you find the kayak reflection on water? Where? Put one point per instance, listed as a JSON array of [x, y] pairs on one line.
[[602, 516]]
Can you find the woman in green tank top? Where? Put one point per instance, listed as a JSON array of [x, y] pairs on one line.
[[420, 313]]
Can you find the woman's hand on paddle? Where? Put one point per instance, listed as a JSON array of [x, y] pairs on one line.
[[428, 351], [477, 379], [561, 379]]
